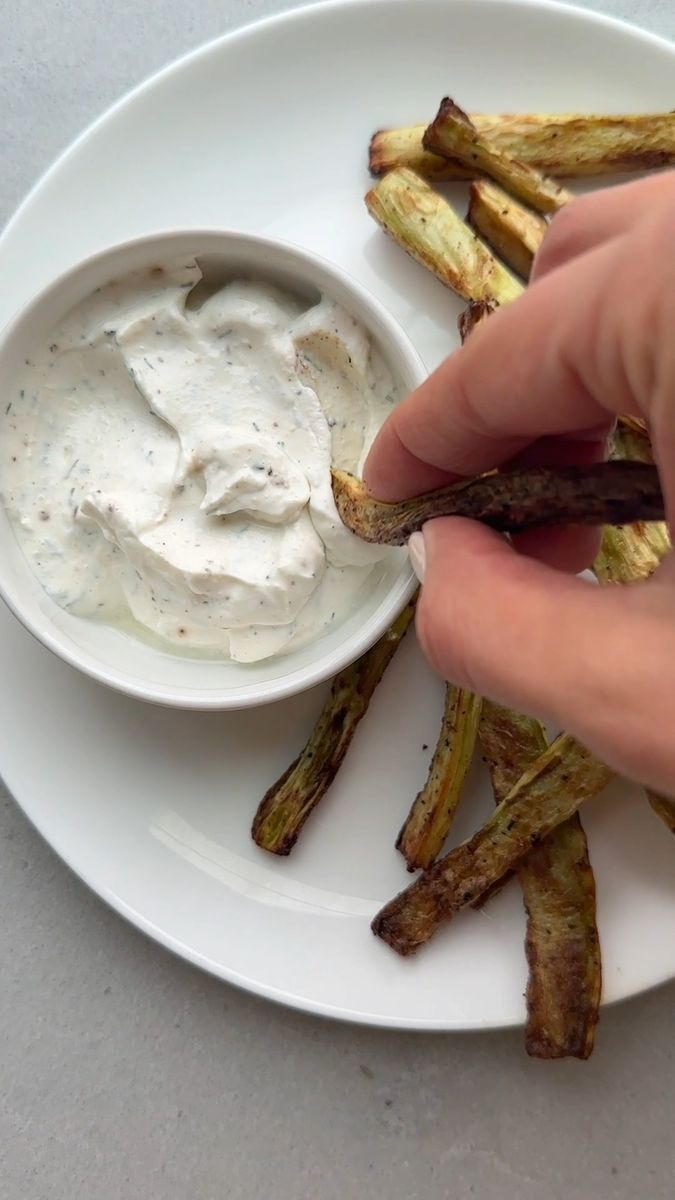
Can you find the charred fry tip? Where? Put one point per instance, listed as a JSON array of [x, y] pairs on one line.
[[385, 929], [475, 312], [453, 135], [664, 807], [374, 159]]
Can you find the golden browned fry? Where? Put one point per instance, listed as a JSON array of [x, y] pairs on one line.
[[548, 793], [631, 440], [394, 149], [664, 808], [429, 229], [634, 423], [288, 803], [514, 232], [567, 145], [630, 553], [513, 501], [556, 879], [453, 135], [510, 744], [428, 822]]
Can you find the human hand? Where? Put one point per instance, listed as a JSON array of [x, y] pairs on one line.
[[542, 381]]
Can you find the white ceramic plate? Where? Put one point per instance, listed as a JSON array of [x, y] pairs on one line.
[[267, 131]]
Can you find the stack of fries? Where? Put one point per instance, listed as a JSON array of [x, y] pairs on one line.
[[534, 832]]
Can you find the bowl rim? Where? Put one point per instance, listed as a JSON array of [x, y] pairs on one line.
[[389, 333]]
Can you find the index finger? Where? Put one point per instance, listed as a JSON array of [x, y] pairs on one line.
[[598, 217], [548, 365]]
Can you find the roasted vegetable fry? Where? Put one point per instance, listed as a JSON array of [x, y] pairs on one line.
[[664, 808], [288, 803], [514, 232], [426, 226], [631, 441], [513, 501], [549, 792], [634, 423], [510, 744], [565, 145], [562, 946], [428, 823], [475, 312], [556, 879], [453, 135], [396, 149], [631, 552]]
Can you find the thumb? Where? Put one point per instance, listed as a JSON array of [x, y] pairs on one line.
[[591, 660]]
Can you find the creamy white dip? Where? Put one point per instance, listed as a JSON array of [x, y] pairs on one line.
[[167, 463]]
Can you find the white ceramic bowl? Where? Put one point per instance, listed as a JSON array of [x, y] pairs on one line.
[[115, 657]]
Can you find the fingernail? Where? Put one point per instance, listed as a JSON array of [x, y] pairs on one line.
[[418, 556]]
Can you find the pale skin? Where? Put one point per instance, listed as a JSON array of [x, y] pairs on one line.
[[543, 381]]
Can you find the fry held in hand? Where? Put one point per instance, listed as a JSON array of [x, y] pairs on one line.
[[514, 232], [428, 822], [549, 792], [288, 803], [565, 145], [430, 230], [511, 502]]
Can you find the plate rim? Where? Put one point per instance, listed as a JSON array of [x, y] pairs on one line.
[[264, 991], [103, 891]]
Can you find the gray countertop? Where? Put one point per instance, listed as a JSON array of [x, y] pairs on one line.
[[128, 1075]]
